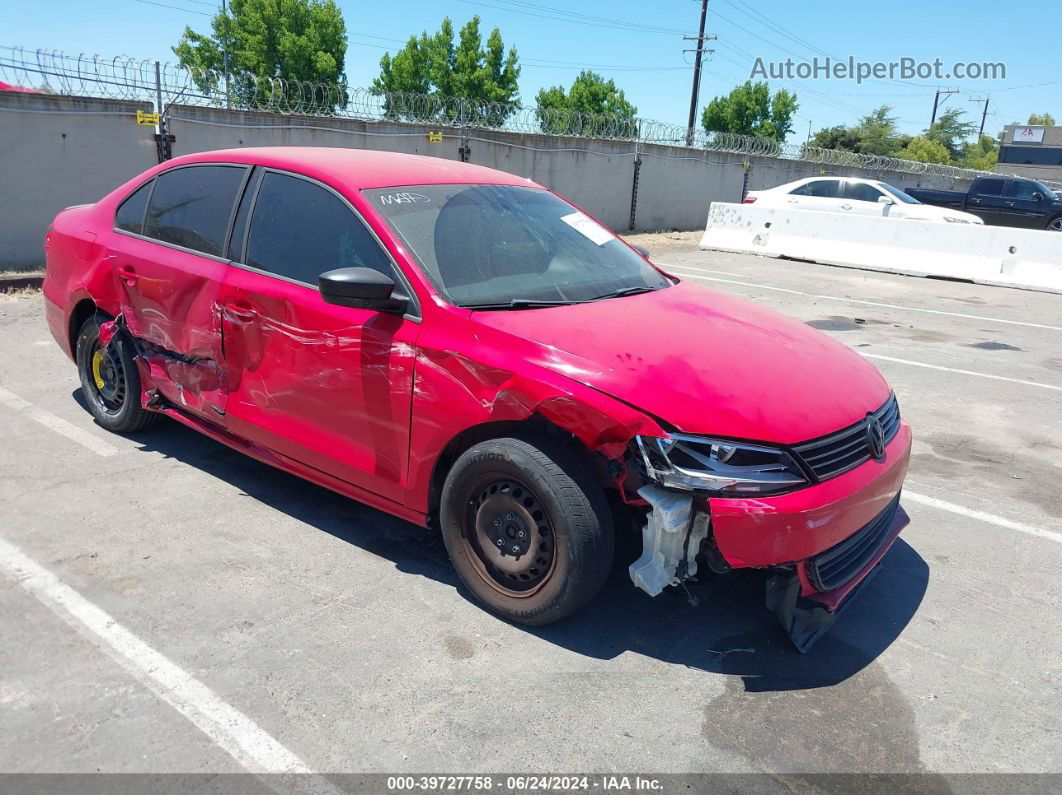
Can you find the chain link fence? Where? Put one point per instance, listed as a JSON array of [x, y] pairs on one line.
[[167, 84]]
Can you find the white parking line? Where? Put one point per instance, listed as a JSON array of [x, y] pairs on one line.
[[695, 273], [981, 516], [961, 372], [241, 737], [57, 424]]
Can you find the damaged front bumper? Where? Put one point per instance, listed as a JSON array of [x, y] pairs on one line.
[[805, 611], [819, 544]]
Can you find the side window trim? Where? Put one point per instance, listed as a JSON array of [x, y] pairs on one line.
[[235, 209], [247, 167], [402, 280]]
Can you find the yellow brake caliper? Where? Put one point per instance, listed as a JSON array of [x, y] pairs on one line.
[[97, 360]]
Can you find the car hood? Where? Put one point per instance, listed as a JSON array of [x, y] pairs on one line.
[[701, 360]]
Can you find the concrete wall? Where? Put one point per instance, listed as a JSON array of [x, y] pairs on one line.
[[59, 151]]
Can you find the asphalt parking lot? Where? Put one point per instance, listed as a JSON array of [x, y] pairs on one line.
[[292, 615]]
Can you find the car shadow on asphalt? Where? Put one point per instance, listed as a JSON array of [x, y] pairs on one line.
[[728, 630]]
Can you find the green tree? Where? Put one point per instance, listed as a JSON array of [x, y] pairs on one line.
[[590, 94], [1041, 120], [839, 137], [925, 150], [982, 155], [750, 109], [875, 134], [951, 131], [433, 65], [303, 40]]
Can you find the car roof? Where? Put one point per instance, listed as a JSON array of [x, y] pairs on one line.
[[359, 168]]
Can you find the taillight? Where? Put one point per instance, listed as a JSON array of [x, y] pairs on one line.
[[750, 200]]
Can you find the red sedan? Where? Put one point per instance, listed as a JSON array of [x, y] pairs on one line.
[[464, 349]]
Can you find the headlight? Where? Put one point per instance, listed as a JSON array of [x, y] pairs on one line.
[[718, 467], [952, 220]]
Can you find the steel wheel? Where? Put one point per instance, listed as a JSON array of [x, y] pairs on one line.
[[109, 388], [509, 535]]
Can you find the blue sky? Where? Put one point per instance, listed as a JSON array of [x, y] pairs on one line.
[[646, 58]]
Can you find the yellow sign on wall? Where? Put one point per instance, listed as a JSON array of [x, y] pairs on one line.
[[147, 118], [435, 136]]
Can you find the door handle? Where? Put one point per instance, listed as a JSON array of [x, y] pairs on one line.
[[127, 274], [242, 313], [846, 207]]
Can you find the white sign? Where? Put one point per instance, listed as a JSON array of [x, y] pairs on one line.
[[1028, 135], [588, 228]]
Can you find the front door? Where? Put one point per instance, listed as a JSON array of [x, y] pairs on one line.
[[1023, 205], [167, 258], [328, 386]]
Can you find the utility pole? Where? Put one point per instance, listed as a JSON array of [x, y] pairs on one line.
[[700, 38], [936, 101], [225, 53], [984, 114]]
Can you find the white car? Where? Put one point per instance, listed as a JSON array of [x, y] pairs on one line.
[[856, 196]]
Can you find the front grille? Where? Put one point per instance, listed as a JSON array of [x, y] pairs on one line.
[[839, 564], [831, 455]]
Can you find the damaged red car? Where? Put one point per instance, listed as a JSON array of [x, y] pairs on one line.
[[466, 350]]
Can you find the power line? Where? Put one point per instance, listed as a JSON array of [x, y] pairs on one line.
[[175, 8], [633, 27]]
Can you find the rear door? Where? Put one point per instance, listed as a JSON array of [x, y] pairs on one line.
[[328, 386], [167, 256], [819, 194], [985, 199]]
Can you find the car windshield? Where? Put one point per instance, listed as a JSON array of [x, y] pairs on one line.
[[1047, 191], [501, 246], [899, 194]]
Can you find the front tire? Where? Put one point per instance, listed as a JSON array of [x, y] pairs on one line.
[[527, 528], [110, 380], [1055, 224]]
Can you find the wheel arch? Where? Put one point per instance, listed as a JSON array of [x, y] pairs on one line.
[[527, 429], [82, 311]]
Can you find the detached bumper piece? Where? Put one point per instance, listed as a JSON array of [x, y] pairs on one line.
[[831, 569], [808, 597]]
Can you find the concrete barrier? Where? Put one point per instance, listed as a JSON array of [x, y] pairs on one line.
[[997, 255]]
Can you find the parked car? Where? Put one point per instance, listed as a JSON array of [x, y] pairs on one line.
[[466, 350], [854, 196], [1002, 201]]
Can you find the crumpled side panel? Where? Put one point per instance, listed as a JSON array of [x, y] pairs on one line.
[[452, 393]]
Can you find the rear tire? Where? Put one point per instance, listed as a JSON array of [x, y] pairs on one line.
[[527, 528], [110, 380]]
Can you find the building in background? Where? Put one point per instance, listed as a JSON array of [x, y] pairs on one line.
[[1031, 151]]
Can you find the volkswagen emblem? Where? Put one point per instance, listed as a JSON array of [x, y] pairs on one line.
[[875, 438]]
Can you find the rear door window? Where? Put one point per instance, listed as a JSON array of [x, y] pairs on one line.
[[130, 215], [191, 206], [299, 230], [822, 188], [989, 187]]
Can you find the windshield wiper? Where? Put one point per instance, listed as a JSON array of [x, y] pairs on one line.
[[625, 291], [520, 303]]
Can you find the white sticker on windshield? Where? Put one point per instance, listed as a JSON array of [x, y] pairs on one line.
[[588, 227]]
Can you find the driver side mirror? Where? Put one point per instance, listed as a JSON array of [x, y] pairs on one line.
[[885, 200], [362, 288], [641, 250]]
